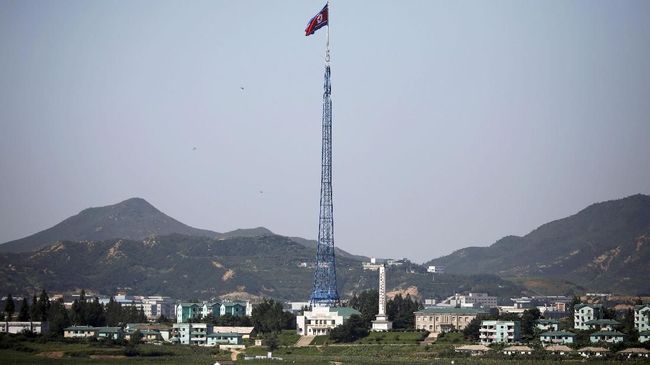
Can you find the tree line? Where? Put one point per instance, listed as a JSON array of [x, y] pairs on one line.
[[84, 311]]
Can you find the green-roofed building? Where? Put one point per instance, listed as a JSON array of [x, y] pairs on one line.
[[607, 336], [547, 324], [602, 324], [110, 333], [187, 312], [563, 337], [438, 320], [224, 338]]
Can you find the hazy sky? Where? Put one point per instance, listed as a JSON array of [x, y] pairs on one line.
[[455, 122]]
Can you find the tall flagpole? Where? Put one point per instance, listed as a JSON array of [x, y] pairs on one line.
[[327, 42], [325, 291]]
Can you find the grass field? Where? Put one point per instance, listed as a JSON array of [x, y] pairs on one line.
[[373, 352]]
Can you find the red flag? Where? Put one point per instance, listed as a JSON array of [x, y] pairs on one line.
[[317, 22]]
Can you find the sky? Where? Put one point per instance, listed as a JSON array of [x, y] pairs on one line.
[[455, 123]]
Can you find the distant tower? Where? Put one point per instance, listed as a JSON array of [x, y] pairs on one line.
[[381, 322], [325, 292]]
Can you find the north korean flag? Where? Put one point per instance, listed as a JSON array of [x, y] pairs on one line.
[[317, 22]]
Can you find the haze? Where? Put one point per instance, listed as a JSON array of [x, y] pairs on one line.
[[455, 122]]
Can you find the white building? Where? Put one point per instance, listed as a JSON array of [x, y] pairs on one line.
[[192, 333], [499, 332], [19, 327], [642, 317], [471, 300], [436, 269], [320, 320], [80, 332], [583, 313]]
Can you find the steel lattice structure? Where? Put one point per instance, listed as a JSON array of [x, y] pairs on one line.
[[325, 292]]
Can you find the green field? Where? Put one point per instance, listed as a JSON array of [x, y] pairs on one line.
[[35, 351]]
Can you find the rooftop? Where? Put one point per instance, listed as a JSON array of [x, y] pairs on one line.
[[563, 348], [593, 349], [451, 310], [582, 305], [603, 322], [345, 312], [548, 321], [634, 350], [473, 348], [558, 333], [517, 348], [607, 333]]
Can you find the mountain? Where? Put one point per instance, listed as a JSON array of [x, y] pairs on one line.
[[604, 247], [186, 267], [134, 218]]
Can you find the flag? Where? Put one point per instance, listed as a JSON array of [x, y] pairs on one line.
[[317, 22]]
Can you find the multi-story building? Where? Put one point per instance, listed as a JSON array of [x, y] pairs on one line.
[[211, 309], [237, 309], [192, 333], [471, 300], [188, 312], [563, 337], [321, 320], [156, 306], [583, 313], [642, 317], [437, 320], [499, 332]]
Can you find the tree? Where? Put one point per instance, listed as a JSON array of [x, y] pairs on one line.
[[58, 317], [351, 330], [401, 311], [95, 315], [571, 308], [23, 315], [528, 319], [472, 330], [271, 341], [368, 304], [269, 316], [113, 313], [136, 337], [609, 313], [33, 310], [43, 305], [10, 306]]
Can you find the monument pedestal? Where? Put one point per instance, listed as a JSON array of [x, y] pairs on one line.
[[381, 323]]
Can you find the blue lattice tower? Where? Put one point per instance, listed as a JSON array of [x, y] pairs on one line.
[[325, 292]]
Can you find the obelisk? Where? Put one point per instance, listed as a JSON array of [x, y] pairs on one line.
[[381, 322]]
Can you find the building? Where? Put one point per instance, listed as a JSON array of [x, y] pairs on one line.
[[558, 349], [225, 340], [436, 269], [499, 332], [187, 312], [163, 329], [633, 352], [20, 327], [642, 317], [517, 350], [473, 350], [211, 309], [593, 352], [644, 336], [437, 320], [471, 300], [320, 320], [607, 336], [563, 337], [245, 332], [237, 309], [547, 324], [583, 313], [156, 306], [80, 332], [602, 324], [192, 333], [110, 333]]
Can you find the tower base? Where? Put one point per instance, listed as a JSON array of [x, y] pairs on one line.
[[381, 324]]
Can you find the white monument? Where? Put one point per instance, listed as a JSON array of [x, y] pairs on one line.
[[381, 322]]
